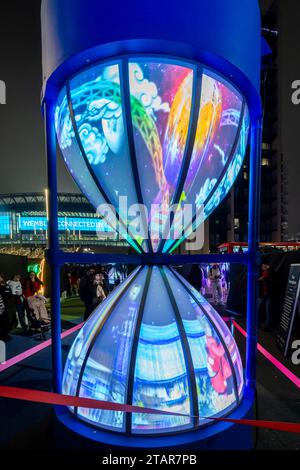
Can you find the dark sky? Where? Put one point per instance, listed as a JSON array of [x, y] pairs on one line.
[[22, 156], [289, 125]]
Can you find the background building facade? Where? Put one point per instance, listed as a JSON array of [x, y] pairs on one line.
[[23, 225], [229, 221]]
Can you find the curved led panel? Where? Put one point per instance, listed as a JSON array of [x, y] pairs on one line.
[[178, 357], [158, 132]]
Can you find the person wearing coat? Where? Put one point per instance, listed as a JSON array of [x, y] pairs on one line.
[[5, 295]]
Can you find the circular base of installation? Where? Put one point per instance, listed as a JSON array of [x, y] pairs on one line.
[[217, 436]]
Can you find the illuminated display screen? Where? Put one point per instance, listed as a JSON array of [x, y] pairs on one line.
[[238, 249], [65, 223], [80, 348], [5, 224], [161, 379], [141, 153], [161, 98], [102, 357]]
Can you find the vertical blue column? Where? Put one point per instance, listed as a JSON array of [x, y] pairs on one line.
[[253, 248], [53, 244]]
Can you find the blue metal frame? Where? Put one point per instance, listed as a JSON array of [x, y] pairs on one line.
[[53, 241], [253, 251], [56, 257]]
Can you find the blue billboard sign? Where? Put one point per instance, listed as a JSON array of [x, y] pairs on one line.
[[82, 224], [4, 224]]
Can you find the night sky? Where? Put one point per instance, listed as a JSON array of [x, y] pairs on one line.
[[23, 167], [22, 154], [289, 125]]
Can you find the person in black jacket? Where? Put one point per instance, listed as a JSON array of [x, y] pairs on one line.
[[195, 276], [85, 292], [5, 295], [265, 289], [103, 272]]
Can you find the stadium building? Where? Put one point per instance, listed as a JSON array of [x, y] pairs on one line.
[[23, 228]]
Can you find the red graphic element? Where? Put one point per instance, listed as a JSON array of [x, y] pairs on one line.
[[218, 367]]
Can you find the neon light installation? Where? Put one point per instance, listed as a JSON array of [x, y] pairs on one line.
[[186, 360], [140, 128], [162, 100]]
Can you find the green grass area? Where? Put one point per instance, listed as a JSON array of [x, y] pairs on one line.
[[72, 308]]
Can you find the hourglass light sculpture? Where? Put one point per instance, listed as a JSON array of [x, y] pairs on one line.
[[154, 103]]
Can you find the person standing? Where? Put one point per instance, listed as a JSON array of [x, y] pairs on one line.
[[73, 279], [5, 295], [18, 300], [215, 277], [104, 273], [195, 277], [97, 290], [85, 292], [264, 298]]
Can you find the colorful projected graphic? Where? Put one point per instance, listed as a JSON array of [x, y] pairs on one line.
[[82, 344], [164, 93], [130, 339], [135, 129], [213, 191]]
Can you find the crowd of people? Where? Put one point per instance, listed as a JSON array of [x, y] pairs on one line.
[[22, 304], [92, 285], [24, 307], [227, 288], [211, 280]]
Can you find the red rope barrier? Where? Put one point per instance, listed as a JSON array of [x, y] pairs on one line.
[[51, 398]]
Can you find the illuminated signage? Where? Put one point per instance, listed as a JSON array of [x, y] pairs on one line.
[[64, 223], [4, 224]]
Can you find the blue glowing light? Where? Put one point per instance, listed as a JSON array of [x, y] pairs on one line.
[[101, 359], [113, 151], [83, 224], [5, 221]]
